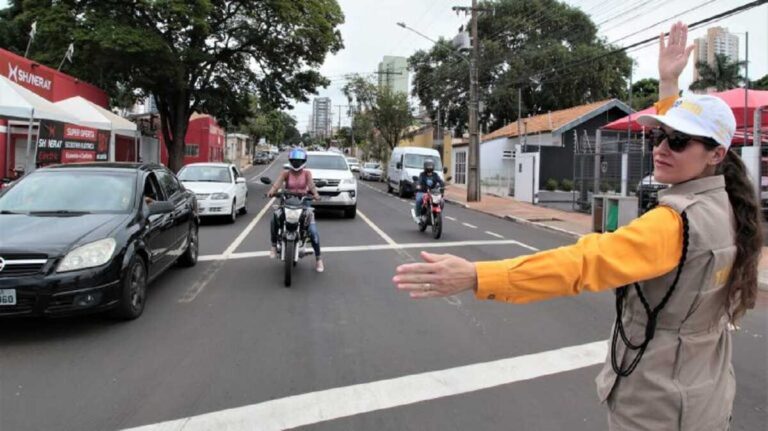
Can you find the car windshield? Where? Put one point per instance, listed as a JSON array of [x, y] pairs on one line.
[[208, 174], [71, 191], [371, 166], [330, 162], [417, 161]]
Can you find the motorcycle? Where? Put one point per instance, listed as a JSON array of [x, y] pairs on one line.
[[432, 210], [293, 228]]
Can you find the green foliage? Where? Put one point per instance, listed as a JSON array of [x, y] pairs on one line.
[[760, 84], [551, 185], [723, 75], [522, 39], [645, 93], [381, 114], [566, 185]]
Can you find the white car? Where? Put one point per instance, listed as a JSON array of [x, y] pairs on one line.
[[371, 171], [354, 164], [341, 186], [220, 188]]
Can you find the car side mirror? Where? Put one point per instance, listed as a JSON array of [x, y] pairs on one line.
[[415, 178], [448, 178], [399, 165], [240, 180], [161, 207], [265, 180]]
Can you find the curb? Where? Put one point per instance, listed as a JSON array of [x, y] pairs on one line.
[[520, 220]]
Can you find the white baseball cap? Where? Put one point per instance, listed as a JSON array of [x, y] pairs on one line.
[[696, 115]]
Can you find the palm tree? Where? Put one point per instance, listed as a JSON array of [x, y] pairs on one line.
[[723, 75]]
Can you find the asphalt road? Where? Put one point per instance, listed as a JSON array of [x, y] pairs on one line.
[[327, 353]]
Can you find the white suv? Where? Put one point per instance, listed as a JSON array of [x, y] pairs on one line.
[[341, 189]]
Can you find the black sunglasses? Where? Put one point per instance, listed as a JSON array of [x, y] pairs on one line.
[[677, 141]]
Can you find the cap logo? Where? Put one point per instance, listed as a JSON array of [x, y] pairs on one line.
[[693, 108]]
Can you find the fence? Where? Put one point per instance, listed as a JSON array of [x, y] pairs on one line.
[[499, 182], [602, 163]]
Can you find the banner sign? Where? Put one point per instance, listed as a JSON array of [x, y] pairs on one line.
[[69, 143]]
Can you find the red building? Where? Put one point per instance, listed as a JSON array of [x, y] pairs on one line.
[[53, 86], [204, 141]]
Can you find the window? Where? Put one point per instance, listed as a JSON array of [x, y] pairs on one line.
[[235, 174], [192, 150], [416, 161], [205, 174], [461, 167], [168, 182], [333, 163]]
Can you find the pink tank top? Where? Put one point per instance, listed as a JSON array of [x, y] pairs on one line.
[[297, 183]]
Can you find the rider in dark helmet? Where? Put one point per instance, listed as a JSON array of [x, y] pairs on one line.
[[297, 180], [428, 179]]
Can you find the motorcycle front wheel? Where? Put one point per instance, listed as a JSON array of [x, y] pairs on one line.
[[289, 254], [437, 225]]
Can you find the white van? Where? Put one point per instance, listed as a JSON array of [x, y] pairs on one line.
[[406, 163]]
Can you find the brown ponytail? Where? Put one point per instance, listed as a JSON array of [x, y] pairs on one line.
[[742, 282]]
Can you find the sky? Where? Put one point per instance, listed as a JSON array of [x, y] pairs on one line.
[[370, 32]]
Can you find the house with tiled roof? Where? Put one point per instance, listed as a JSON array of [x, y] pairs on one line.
[[551, 135]]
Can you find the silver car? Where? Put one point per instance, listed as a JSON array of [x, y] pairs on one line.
[[371, 171]]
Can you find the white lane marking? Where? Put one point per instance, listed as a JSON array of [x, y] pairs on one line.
[[375, 247], [493, 234], [256, 178], [376, 229], [330, 404], [244, 234], [450, 218], [471, 226]]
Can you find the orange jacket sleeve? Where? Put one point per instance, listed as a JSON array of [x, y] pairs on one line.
[[663, 105], [648, 247]]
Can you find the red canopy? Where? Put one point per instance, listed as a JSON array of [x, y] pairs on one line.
[[734, 98]]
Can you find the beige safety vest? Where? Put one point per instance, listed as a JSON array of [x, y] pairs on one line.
[[685, 379]]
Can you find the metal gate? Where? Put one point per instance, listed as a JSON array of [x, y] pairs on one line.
[[601, 163]]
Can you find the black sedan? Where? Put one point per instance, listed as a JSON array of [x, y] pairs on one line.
[[85, 238]]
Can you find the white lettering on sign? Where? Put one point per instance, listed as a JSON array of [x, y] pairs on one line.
[[74, 132], [20, 75]]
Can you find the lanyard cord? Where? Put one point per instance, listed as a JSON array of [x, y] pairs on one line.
[[652, 315]]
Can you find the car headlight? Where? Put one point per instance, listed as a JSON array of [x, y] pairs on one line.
[[220, 197], [90, 255], [348, 181]]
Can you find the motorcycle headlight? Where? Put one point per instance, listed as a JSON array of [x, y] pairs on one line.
[[348, 181], [292, 215], [88, 256], [220, 197]]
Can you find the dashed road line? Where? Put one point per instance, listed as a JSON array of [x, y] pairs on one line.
[[493, 234], [450, 218], [471, 226]]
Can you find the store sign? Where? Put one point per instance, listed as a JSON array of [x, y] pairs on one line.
[[69, 143], [36, 79]]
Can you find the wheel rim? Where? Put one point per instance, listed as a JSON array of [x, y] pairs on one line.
[[193, 243], [138, 287]]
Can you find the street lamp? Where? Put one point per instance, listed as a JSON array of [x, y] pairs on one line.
[[473, 183]]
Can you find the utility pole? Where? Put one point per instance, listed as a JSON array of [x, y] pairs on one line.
[[473, 178]]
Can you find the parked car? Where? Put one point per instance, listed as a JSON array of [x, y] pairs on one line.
[[354, 164], [371, 171], [84, 238], [220, 188], [261, 158], [406, 163], [340, 190]]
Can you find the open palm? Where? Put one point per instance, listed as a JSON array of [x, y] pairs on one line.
[[673, 52]]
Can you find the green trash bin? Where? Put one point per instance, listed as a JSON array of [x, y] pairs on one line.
[[612, 215]]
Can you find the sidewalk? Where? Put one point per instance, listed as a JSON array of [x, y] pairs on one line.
[[570, 223]]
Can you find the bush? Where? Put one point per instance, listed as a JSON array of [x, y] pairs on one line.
[[566, 185], [551, 185]]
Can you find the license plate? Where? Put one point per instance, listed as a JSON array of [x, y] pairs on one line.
[[7, 297]]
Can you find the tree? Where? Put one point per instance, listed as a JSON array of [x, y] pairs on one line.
[[760, 84], [723, 75], [540, 46], [388, 111], [645, 93], [193, 56], [276, 127]]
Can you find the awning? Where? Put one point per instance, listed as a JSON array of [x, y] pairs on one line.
[[92, 115], [19, 103]]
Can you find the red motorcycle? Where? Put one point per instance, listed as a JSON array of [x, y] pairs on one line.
[[432, 211]]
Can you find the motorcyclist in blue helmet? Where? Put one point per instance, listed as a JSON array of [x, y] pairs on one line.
[[297, 180]]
